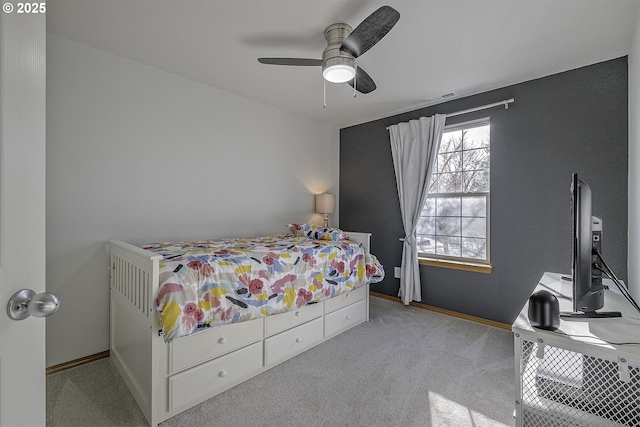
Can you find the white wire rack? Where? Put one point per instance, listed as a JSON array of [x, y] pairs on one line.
[[564, 388]]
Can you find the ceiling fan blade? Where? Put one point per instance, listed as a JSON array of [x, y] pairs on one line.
[[301, 62], [371, 31], [363, 82]]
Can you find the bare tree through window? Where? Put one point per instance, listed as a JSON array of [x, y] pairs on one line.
[[455, 217]]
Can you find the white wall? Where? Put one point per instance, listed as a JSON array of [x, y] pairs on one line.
[[142, 155], [634, 166]]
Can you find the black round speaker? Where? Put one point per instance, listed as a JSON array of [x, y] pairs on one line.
[[544, 311]]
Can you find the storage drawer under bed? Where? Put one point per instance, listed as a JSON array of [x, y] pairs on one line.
[[284, 345], [281, 322], [213, 375], [345, 299], [206, 345], [344, 318]]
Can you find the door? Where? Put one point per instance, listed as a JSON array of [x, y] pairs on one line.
[[22, 212]]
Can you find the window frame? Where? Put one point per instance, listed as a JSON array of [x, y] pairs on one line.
[[459, 262]]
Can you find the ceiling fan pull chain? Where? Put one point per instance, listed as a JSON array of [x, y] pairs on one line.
[[324, 93], [355, 81]]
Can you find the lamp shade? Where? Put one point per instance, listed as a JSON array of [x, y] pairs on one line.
[[325, 203]]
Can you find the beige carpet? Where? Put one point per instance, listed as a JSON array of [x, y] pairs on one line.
[[405, 367]]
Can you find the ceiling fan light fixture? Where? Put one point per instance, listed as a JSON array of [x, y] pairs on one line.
[[344, 45], [339, 70], [339, 73]]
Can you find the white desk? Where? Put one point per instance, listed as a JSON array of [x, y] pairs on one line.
[[577, 376]]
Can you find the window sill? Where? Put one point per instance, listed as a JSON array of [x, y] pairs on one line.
[[456, 265]]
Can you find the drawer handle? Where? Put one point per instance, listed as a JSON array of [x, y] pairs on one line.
[[347, 296], [298, 314], [298, 340], [348, 317], [222, 374], [222, 340]]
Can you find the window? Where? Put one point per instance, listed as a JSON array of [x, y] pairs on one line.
[[454, 224]]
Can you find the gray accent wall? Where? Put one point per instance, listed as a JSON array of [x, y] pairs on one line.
[[575, 121]]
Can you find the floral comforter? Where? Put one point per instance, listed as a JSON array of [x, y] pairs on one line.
[[216, 282]]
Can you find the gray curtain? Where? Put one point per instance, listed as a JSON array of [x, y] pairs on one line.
[[414, 146]]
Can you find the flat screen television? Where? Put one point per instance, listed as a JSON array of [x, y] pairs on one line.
[[586, 230]]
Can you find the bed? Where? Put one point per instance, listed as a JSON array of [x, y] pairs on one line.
[[176, 347]]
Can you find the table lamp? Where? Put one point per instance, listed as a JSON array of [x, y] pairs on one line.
[[325, 204]]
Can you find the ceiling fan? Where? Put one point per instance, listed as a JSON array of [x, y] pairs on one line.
[[344, 45]]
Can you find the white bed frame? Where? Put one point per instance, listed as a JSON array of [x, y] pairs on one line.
[[166, 379]]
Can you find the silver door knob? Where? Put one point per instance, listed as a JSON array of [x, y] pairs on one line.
[[25, 303]]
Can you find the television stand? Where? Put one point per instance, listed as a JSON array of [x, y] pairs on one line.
[[581, 374]]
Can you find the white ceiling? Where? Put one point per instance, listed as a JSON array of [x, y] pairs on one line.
[[437, 47]]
